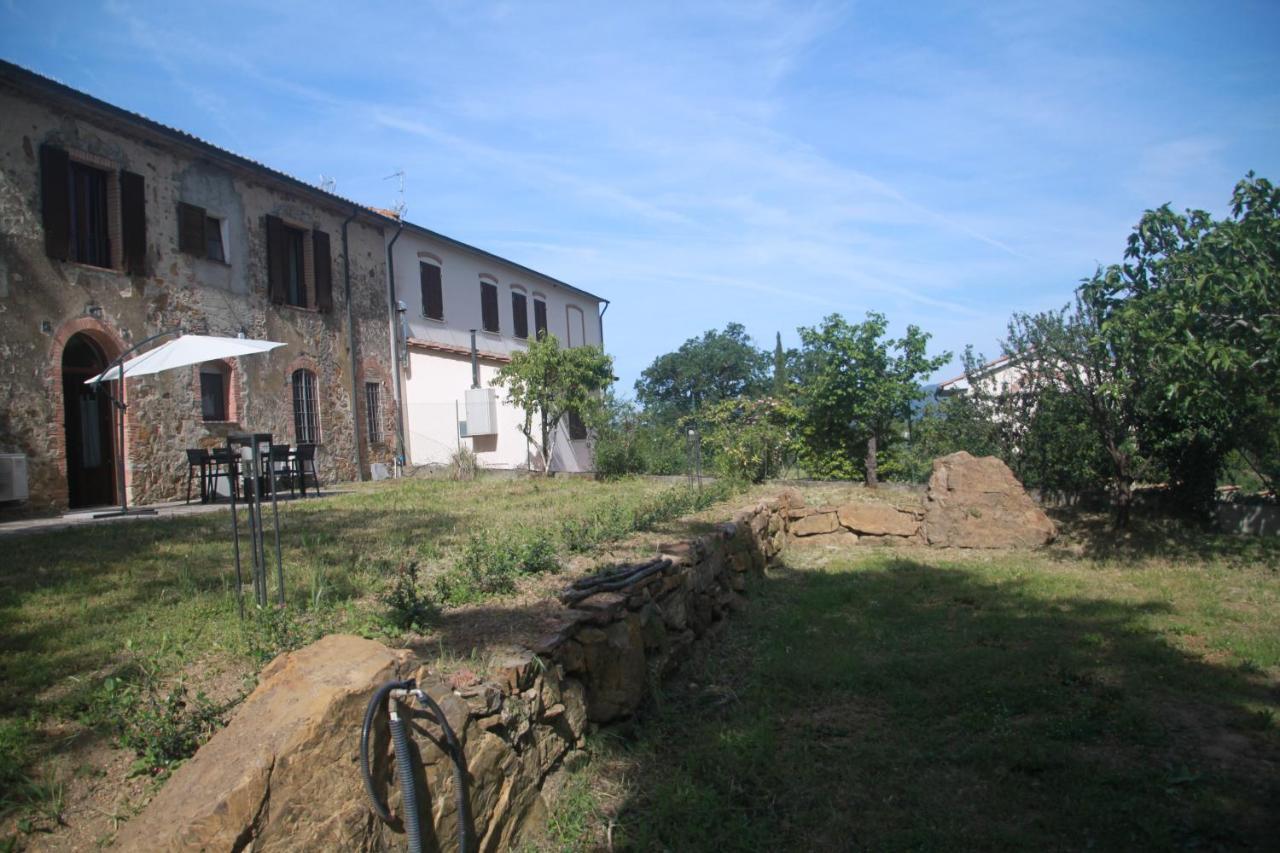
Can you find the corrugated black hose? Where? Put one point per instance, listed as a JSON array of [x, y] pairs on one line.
[[408, 786]]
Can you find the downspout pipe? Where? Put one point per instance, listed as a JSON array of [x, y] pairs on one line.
[[351, 345], [393, 311], [603, 311]]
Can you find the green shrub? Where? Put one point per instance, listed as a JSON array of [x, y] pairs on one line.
[[408, 607]]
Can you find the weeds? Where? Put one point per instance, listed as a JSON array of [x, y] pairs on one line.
[[408, 608], [162, 724]]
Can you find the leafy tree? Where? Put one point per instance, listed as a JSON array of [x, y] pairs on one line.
[[718, 366], [1072, 351], [549, 382], [750, 439], [630, 441], [855, 385]]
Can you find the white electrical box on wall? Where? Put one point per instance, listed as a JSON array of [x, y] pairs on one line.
[[482, 411]]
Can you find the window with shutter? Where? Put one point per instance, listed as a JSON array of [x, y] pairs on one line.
[[519, 314], [286, 264], [90, 229], [539, 318], [432, 291], [489, 306]]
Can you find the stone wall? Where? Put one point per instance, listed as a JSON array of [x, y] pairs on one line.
[[45, 301], [283, 774]]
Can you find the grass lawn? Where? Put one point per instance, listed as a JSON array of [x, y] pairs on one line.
[[99, 623], [907, 699]]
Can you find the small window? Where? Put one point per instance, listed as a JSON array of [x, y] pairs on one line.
[[432, 291], [199, 234], [577, 429], [306, 422], [489, 307], [373, 410], [213, 391], [90, 230], [519, 314], [539, 318]]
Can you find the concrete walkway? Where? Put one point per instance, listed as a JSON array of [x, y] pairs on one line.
[[169, 509]]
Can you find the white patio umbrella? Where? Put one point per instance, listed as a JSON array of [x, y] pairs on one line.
[[182, 351]]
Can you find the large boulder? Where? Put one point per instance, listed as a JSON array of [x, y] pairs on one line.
[[283, 773], [978, 503]]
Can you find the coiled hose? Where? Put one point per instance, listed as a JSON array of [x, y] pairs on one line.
[[404, 768]]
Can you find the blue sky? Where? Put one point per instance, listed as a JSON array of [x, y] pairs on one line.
[[696, 163]]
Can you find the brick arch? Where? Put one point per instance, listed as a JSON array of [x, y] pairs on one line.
[[112, 344]]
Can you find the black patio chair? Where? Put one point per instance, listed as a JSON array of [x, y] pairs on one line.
[[304, 462], [198, 460], [281, 466], [222, 464]]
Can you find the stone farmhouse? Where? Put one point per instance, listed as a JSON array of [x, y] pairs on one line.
[[114, 227]]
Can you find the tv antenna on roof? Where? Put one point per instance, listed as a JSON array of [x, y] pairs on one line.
[[400, 207]]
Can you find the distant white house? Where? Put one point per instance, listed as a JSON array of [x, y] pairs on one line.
[[1000, 376], [448, 289]]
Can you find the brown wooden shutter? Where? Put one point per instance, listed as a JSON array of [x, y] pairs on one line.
[[133, 222], [519, 314], [539, 318], [489, 306], [191, 234], [276, 252], [55, 201], [323, 271], [432, 291]]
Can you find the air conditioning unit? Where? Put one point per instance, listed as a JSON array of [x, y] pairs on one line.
[[13, 477], [482, 411]]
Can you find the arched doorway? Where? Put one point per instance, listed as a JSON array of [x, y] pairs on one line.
[[91, 479]]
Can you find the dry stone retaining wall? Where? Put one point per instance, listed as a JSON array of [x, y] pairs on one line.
[[283, 774]]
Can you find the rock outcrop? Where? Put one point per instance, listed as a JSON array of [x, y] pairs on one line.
[[290, 747], [977, 503]]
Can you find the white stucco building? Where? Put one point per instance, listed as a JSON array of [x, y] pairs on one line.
[[447, 289]]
